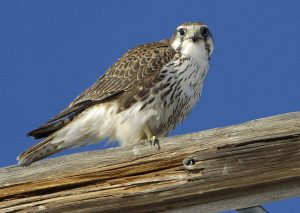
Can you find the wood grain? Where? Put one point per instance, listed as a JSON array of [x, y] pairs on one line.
[[213, 170]]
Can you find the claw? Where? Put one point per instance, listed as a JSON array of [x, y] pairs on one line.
[[154, 142]]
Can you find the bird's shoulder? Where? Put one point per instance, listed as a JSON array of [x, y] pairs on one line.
[[135, 65], [149, 55]]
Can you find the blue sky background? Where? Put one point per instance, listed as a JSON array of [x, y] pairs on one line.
[[50, 51]]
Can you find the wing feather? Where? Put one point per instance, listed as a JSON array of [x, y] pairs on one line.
[[133, 67]]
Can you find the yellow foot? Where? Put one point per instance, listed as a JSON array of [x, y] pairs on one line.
[[153, 141]]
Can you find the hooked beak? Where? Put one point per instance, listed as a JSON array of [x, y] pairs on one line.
[[195, 38]]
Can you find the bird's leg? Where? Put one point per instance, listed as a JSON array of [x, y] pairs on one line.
[[151, 138]]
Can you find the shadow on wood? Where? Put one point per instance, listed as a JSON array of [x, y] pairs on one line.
[[219, 169]]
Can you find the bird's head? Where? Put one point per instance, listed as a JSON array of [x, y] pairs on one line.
[[193, 39]]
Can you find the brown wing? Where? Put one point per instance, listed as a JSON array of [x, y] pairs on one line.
[[135, 66]]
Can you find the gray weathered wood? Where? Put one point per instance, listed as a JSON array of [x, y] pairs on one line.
[[229, 168]]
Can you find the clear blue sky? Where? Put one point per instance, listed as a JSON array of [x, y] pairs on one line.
[[52, 50]]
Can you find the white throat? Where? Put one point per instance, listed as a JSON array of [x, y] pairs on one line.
[[195, 50]]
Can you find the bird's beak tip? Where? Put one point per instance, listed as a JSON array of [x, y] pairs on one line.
[[195, 38]]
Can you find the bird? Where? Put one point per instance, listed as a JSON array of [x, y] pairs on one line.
[[142, 96]]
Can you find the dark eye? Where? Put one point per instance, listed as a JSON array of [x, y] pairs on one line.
[[181, 31], [204, 31]]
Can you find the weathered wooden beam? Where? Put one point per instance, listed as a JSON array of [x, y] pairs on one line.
[[225, 168]]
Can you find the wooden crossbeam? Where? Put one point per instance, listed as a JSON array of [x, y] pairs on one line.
[[219, 169]]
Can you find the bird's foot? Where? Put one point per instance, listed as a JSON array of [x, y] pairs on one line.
[[153, 141]]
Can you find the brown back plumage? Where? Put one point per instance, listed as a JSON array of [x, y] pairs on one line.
[[133, 67]]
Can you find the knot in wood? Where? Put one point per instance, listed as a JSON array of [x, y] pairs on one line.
[[188, 162]]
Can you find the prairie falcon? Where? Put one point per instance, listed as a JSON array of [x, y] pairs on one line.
[[143, 95]]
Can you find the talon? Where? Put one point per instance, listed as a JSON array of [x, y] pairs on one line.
[[150, 142], [153, 141]]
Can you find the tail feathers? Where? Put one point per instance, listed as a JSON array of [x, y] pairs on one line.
[[39, 151], [61, 120], [49, 128]]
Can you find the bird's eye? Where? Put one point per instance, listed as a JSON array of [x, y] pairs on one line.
[[204, 31], [181, 31]]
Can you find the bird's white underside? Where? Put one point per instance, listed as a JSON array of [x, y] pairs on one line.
[[102, 121]]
